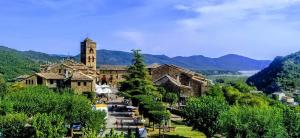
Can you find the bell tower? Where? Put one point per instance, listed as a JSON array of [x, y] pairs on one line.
[[89, 53]]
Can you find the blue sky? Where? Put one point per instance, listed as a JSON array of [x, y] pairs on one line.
[[261, 29]]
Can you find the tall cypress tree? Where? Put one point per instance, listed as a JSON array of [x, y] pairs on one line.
[[137, 81]]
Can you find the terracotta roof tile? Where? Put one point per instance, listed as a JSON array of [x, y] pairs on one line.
[[154, 65], [113, 67], [80, 76], [53, 76]]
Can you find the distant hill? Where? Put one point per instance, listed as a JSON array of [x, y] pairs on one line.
[[228, 62], [14, 62], [283, 74]]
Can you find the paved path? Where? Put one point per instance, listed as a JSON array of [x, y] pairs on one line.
[[113, 116]]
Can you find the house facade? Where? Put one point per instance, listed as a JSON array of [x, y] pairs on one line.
[[177, 79]]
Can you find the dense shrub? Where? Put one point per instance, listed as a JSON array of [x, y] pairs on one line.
[[42, 104], [203, 113], [247, 121]]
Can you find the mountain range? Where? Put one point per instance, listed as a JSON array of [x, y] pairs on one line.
[[14, 62], [229, 62]]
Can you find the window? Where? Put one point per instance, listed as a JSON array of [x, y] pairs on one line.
[[26, 81], [84, 83], [93, 59], [59, 70], [78, 83], [91, 51], [31, 81], [51, 81], [89, 59]]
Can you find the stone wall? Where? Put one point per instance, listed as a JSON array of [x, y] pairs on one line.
[[190, 86], [111, 77], [32, 80], [82, 86]]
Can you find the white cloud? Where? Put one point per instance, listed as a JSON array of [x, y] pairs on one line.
[[172, 27], [182, 7], [242, 27], [137, 38]]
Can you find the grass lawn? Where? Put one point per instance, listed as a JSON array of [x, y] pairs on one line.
[[182, 131]]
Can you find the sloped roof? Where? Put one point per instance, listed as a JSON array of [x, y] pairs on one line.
[[23, 77], [154, 65], [67, 63], [80, 76], [113, 67], [184, 70], [54, 76], [166, 78]]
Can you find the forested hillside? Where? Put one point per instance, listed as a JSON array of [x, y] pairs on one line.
[[283, 74], [14, 63]]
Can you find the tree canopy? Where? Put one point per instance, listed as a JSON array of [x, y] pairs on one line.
[[203, 113], [50, 111], [283, 74], [138, 81], [245, 121]]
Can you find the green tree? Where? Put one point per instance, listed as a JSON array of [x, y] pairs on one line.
[[138, 81], [297, 99], [232, 94], [89, 133], [162, 90], [252, 100], [3, 86], [171, 98], [96, 120], [204, 113], [242, 86], [215, 90], [292, 122], [13, 125], [160, 117], [112, 134], [247, 121], [73, 108], [6, 107], [48, 126]]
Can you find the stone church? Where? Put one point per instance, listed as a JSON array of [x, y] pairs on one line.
[[84, 76]]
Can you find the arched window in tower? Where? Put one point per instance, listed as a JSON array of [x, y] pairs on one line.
[[91, 51], [89, 59], [93, 59]]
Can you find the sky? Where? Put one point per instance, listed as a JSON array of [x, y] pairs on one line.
[[260, 29]]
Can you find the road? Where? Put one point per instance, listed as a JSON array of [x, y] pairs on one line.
[[115, 115]]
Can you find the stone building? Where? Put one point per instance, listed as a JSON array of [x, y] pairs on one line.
[[84, 76], [112, 74], [81, 77], [67, 74], [177, 79]]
